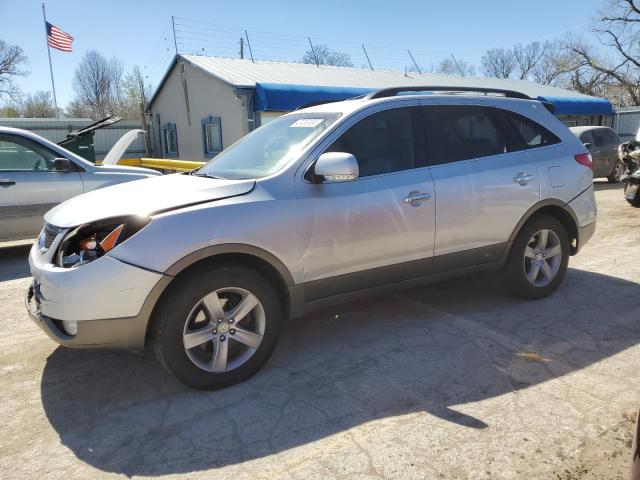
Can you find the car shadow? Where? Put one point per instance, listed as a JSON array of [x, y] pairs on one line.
[[604, 185], [429, 349], [14, 262]]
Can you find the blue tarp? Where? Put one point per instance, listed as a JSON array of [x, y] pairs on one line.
[[580, 105], [282, 97]]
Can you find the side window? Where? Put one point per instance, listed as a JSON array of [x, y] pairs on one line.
[[461, 132], [600, 137], [21, 154], [586, 137], [382, 143], [212, 135], [613, 137], [170, 139], [529, 134]]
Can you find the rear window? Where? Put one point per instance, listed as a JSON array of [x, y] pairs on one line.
[[529, 134]]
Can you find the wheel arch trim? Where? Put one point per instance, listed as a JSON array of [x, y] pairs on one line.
[[231, 248], [549, 204]]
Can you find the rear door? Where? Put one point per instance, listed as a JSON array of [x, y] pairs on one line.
[[482, 187], [29, 186]]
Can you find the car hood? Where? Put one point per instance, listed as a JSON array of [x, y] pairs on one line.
[[126, 169], [144, 197]]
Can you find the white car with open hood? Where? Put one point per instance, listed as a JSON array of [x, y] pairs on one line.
[[36, 175]]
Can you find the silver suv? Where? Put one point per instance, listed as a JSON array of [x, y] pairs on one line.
[[322, 205]]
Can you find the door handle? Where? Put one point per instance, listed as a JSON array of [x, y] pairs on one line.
[[6, 183], [416, 198], [523, 178]]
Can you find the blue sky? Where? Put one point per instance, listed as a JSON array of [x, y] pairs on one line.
[[139, 32]]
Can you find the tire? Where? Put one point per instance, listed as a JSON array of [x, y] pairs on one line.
[[190, 306], [521, 260], [617, 173], [635, 201]]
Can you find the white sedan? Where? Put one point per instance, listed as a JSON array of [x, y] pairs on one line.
[[36, 175]]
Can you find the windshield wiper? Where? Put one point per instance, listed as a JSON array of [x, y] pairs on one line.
[[198, 174]]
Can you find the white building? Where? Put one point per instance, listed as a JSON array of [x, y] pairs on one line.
[[204, 104]]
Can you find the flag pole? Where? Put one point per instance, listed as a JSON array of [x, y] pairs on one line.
[[46, 37]]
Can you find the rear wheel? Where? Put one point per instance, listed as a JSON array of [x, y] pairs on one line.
[[217, 327], [539, 258], [618, 172]]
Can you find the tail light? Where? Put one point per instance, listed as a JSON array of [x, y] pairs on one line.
[[584, 159]]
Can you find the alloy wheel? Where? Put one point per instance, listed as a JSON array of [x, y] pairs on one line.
[[542, 257], [224, 329]]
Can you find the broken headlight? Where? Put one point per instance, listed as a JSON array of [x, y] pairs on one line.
[[89, 242]]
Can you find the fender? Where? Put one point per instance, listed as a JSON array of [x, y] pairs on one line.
[[239, 248], [549, 202]]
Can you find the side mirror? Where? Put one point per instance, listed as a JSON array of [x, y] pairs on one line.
[[337, 167], [62, 165], [587, 146]]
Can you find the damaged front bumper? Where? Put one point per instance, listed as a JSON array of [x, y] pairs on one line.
[[106, 303]]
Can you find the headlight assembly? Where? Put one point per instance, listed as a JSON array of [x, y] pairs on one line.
[[89, 242]]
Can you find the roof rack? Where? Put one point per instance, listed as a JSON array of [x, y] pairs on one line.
[[392, 92]]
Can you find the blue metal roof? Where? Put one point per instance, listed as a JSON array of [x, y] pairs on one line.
[[580, 105], [283, 97], [286, 97]]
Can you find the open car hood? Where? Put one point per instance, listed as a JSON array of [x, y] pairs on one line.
[[144, 197]]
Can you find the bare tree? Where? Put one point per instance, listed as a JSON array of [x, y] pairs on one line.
[[617, 69], [38, 105], [458, 67], [323, 55], [527, 57], [555, 65], [498, 63], [97, 84], [12, 59], [77, 109]]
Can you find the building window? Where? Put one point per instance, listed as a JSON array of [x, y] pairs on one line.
[[170, 137], [212, 135]]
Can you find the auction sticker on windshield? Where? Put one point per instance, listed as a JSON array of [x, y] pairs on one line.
[[307, 123]]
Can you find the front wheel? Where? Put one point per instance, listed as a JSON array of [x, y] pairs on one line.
[[217, 326], [539, 258]]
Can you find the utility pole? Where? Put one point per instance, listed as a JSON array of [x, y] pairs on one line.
[[249, 45], [457, 65], [414, 62], [241, 48], [313, 50], [367, 55], [175, 41]]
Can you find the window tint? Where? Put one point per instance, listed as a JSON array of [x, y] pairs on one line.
[[382, 143], [613, 136], [22, 154], [529, 134], [601, 138], [586, 137], [460, 132]]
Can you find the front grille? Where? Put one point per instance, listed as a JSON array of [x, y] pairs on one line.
[[50, 234]]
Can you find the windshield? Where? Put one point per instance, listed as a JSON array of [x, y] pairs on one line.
[[269, 148]]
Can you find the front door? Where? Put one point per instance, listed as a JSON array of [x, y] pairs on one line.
[[29, 186], [379, 228]]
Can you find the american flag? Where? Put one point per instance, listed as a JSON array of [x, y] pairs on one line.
[[58, 39]]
